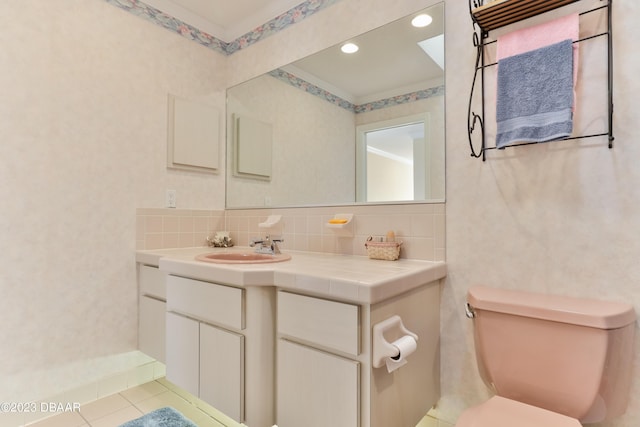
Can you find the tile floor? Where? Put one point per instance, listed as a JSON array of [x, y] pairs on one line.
[[112, 411], [428, 421]]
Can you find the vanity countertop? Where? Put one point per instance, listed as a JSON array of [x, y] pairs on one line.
[[345, 277]]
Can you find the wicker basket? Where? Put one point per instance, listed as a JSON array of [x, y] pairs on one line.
[[389, 251]]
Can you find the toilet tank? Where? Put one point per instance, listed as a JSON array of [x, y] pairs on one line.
[[568, 355]]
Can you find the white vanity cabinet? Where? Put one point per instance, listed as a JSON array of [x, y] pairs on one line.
[[207, 362], [316, 388], [222, 370], [318, 372], [204, 343], [290, 344], [183, 344], [151, 311], [209, 326], [324, 369]]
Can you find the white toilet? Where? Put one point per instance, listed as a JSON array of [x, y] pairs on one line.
[[551, 361]]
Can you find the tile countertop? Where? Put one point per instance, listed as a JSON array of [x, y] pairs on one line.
[[347, 278]]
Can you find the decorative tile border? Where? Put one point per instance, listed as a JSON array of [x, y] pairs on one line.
[[312, 89], [175, 25]]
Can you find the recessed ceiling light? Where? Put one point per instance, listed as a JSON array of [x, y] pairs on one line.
[[349, 48], [421, 20]]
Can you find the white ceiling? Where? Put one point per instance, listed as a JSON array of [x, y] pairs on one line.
[[390, 62], [224, 19]]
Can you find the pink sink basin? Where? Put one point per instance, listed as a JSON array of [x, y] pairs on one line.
[[242, 258]]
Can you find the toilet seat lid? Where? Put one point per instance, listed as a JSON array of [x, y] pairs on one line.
[[501, 412]]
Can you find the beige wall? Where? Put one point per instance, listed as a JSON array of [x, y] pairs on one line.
[[559, 218], [83, 125]]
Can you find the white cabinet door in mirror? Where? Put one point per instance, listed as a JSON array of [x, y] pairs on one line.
[[253, 147]]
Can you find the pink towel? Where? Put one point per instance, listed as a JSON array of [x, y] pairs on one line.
[[543, 35]]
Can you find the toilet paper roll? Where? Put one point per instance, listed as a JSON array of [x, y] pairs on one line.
[[406, 345]]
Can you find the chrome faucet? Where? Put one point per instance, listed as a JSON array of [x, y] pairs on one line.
[[267, 245]]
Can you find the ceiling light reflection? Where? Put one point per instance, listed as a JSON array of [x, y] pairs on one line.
[[421, 21], [349, 48]]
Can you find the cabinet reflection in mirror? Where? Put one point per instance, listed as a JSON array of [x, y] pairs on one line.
[[318, 106], [252, 148]]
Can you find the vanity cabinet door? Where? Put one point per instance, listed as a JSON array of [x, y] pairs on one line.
[[182, 352], [222, 370], [151, 311], [151, 327], [152, 282], [210, 302], [319, 322], [316, 389]]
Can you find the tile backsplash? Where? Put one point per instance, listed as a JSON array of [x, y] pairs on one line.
[[421, 228], [175, 228]]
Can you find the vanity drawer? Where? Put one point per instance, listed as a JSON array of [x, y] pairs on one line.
[[329, 324], [151, 281], [210, 302]]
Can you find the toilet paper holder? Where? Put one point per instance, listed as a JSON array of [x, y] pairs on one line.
[[383, 349]]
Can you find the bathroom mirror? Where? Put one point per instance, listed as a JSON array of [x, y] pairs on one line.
[[365, 127]]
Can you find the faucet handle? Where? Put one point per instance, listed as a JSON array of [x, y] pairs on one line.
[[274, 244], [253, 242]]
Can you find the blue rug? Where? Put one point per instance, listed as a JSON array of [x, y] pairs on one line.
[[163, 417]]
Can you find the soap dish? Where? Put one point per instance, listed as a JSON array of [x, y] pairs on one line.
[[271, 222], [341, 225]]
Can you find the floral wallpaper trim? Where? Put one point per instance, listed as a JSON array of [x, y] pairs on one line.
[[292, 16], [401, 99], [312, 89], [160, 18]]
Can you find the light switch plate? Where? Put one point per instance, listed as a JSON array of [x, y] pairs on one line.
[[171, 201]]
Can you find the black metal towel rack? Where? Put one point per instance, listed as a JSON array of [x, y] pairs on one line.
[[499, 13]]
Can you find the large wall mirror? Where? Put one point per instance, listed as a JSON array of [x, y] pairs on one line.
[[340, 128]]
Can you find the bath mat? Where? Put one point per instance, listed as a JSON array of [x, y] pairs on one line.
[[163, 417]]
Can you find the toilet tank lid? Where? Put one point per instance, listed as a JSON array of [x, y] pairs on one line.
[[557, 308]]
